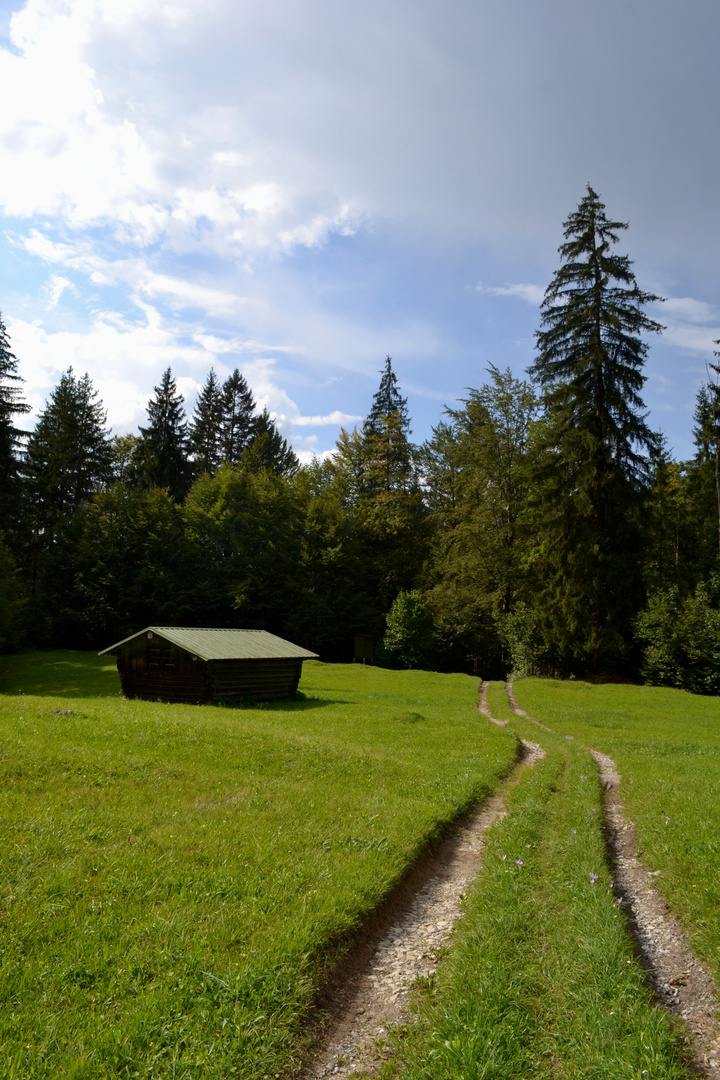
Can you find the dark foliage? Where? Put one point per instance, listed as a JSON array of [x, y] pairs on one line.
[[592, 444], [11, 405], [163, 454]]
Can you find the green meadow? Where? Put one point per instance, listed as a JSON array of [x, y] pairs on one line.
[[667, 746], [542, 980], [176, 880]]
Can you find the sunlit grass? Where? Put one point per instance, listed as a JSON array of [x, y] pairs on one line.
[[174, 877], [542, 980], [667, 746]]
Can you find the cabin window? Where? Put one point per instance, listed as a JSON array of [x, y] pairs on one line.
[[169, 667], [154, 665]]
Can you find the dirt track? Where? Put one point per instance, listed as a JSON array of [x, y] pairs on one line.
[[681, 980], [373, 991]]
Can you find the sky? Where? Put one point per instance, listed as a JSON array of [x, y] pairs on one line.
[[298, 188]]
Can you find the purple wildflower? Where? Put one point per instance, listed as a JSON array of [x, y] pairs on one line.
[[503, 857], [593, 878], [611, 885], [574, 832], [583, 777], [619, 899], [518, 862]]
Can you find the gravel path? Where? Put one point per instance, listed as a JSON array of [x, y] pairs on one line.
[[375, 992], [681, 980]]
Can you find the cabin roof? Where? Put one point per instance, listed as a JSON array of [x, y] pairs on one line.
[[223, 644]]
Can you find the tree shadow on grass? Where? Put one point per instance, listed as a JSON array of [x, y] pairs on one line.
[[70, 674], [59, 674]]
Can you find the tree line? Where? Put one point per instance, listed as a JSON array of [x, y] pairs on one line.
[[544, 528]]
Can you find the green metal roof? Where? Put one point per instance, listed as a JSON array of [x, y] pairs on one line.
[[224, 644]]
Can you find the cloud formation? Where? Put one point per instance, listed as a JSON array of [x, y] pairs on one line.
[[226, 181]]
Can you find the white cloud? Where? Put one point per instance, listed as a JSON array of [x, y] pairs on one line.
[[533, 294], [54, 289], [336, 418], [689, 310], [120, 355], [692, 325]]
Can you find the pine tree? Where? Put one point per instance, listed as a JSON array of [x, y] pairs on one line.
[[11, 404], [376, 469], [164, 451], [268, 449], [388, 453], [714, 402], [206, 427], [68, 455], [591, 446], [238, 418]]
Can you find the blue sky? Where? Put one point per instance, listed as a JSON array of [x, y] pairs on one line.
[[299, 187]]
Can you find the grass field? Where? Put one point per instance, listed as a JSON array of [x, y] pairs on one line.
[[542, 980], [174, 878], [667, 746]]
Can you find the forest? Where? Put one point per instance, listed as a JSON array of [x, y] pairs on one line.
[[543, 529]]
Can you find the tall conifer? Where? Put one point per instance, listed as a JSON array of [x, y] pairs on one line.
[[238, 418], [388, 452], [592, 442], [11, 404], [164, 449], [68, 454], [205, 433]]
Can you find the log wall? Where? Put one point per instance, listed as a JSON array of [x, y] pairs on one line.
[[156, 670], [232, 680]]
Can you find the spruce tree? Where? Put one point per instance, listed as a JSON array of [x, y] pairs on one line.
[[714, 402], [388, 452], [164, 452], [68, 455], [592, 443], [268, 449], [238, 418], [206, 427], [11, 404]]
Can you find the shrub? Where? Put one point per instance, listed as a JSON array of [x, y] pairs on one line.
[[411, 634], [682, 640]]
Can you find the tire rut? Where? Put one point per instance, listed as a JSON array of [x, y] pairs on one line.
[[681, 980], [374, 988]]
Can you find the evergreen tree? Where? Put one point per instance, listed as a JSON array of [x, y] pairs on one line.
[[713, 423], [388, 453], [591, 447], [68, 455], [206, 427], [268, 449], [668, 526], [11, 404], [477, 475], [163, 454], [238, 418], [377, 471], [701, 481]]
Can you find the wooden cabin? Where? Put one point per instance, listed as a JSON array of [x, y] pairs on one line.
[[187, 664]]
